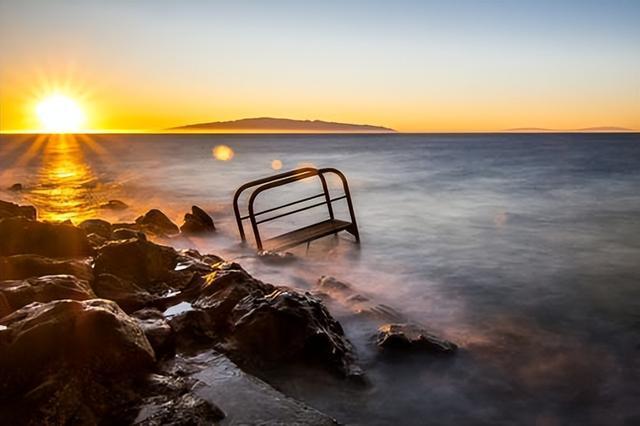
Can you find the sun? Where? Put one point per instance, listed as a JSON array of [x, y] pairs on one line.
[[58, 113]]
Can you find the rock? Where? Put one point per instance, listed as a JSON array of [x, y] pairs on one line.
[[127, 233], [93, 339], [96, 241], [140, 261], [157, 329], [276, 257], [286, 326], [197, 222], [21, 266], [158, 223], [125, 293], [186, 409], [359, 304], [14, 210], [97, 226], [413, 338], [258, 324], [43, 289], [114, 205], [19, 235], [16, 187]]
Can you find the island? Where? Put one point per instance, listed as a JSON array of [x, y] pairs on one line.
[[279, 125]]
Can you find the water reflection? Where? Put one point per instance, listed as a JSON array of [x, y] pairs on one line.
[[65, 182]]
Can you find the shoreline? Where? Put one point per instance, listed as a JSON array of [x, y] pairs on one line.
[[115, 285]]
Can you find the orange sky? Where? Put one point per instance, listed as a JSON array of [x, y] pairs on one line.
[[134, 67]]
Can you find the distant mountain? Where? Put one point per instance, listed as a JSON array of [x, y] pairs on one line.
[[585, 129], [285, 125]]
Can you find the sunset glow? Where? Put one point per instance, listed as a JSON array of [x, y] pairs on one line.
[[60, 114]]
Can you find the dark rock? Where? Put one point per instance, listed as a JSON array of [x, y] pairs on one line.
[[125, 293], [170, 400], [412, 337], [140, 261], [286, 326], [258, 324], [96, 226], [17, 294], [94, 339], [21, 266], [114, 205], [276, 257], [157, 329], [13, 210], [19, 235], [127, 233], [359, 304], [96, 241], [16, 187], [158, 223], [197, 222]]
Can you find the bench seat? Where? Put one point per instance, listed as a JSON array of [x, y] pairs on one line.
[[306, 234]]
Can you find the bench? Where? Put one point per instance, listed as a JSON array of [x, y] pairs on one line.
[[305, 234]]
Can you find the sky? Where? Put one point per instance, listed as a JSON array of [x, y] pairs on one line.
[[410, 65]]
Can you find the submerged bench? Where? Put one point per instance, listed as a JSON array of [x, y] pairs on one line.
[[301, 235]]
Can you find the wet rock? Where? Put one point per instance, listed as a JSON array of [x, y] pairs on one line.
[[127, 233], [17, 294], [276, 257], [158, 223], [286, 326], [96, 226], [94, 339], [23, 266], [186, 409], [157, 329], [357, 303], [126, 294], [16, 187], [8, 209], [96, 241], [197, 222], [410, 337], [114, 205], [140, 261], [19, 235]]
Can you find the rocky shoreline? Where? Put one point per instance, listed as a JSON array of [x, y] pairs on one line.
[[99, 324]]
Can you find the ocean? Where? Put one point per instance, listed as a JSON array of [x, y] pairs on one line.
[[524, 249]]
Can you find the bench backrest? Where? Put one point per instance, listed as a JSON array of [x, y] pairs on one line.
[[285, 178]]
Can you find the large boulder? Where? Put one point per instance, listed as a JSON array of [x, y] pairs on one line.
[[8, 209], [197, 222], [71, 362], [21, 266], [94, 338], [158, 223], [126, 294], [19, 235], [136, 260], [17, 294], [259, 324]]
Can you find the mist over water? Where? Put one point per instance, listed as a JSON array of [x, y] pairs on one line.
[[523, 249]]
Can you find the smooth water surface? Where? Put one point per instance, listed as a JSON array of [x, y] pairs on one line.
[[523, 249]]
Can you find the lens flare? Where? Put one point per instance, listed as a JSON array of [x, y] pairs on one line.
[[222, 153], [276, 164]]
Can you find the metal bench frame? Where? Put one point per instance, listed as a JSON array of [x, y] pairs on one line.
[[301, 235]]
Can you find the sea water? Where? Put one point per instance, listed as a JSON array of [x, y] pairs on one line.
[[522, 248]]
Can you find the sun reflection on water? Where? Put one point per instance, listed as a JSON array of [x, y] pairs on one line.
[[66, 184]]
